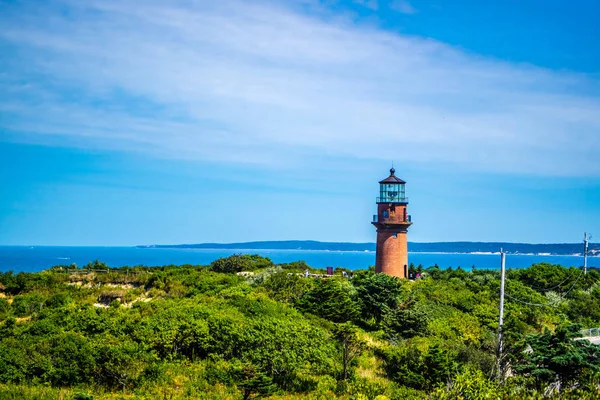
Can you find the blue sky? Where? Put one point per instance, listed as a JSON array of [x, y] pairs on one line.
[[191, 121]]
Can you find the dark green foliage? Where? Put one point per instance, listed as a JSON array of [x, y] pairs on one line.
[[406, 321], [120, 348], [544, 276], [584, 306], [253, 382], [4, 307], [24, 305], [63, 268], [332, 299], [24, 282], [13, 361], [72, 359], [438, 366], [350, 345], [83, 396], [420, 370], [58, 300], [120, 365], [404, 364], [296, 266], [551, 357], [377, 293], [96, 265], [240, 262], [287, 288], [192, 330]]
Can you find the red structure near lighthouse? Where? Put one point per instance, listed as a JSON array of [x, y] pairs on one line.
[[392, 222]]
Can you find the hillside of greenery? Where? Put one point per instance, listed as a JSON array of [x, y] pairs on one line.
[[244, 328]]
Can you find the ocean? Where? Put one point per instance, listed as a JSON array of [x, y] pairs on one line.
[[38, 258]]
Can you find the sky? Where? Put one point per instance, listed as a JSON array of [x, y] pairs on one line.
[[188, 121]]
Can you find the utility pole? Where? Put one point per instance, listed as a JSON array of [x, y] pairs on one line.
[[585, 252], [500, 320]]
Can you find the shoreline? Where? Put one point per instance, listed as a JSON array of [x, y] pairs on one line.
[[475, 253], [248, 250]]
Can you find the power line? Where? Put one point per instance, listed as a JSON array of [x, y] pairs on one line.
[[553, 287], [552, 304], [532, 304]]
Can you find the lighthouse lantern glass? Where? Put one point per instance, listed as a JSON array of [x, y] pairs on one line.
[[392, 193]]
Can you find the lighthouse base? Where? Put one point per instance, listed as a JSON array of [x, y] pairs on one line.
[[392, 253]]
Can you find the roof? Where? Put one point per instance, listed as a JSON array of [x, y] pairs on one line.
[[392, 178]]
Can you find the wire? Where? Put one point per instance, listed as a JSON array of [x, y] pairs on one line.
[[531, 304], [553, 287], [563, 260], [552, 304]]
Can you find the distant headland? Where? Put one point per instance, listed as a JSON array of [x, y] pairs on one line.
[[415, 247]]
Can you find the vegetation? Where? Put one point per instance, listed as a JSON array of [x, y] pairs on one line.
[[244, 328]]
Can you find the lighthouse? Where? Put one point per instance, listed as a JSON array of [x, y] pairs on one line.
[[392, 222]]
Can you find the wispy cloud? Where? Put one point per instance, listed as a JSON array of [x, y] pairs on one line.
[[403, 6], [372, 4], [266, 83]]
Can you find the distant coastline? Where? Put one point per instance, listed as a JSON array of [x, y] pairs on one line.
[[483, 248]]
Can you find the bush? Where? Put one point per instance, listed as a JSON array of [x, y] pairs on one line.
[[83, 396], [286, 288], [377, 293], [4, 307], [471, 384], [72, 360], [240, 262], [407, 365], [58, 300], [25, 305], [331, 299]]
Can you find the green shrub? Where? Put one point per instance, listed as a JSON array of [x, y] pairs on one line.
[[240, 262], [4, 307], [332, 299], [24, 305]]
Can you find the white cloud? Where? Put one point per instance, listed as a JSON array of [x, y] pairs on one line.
[[403, 6], [372, 4], [262, 83]]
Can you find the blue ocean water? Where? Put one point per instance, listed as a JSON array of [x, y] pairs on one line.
[[38, 258]]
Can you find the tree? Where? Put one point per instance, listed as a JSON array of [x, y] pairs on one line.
[[251, 381], [120, 365], [13, 360], [24, 305], [583, 306], [406, 321], [96, 265], [544, 276], [377, 293], [287, 288], [470, 384], [72, 360], [404, 364], [350, 344], [4, 307], [240, 262], [439, 365], [331, 299], [409, 366], [558, 358]]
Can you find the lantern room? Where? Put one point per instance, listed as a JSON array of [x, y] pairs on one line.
[[392, 190]]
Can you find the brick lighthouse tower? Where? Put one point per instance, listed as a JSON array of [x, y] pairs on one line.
[[392, 222]]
